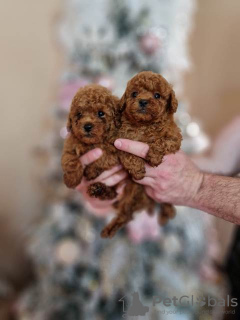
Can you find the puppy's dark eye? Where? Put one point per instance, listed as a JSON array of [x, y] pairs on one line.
[[78, 115], [157, 95], [101, 114], [134, 94]]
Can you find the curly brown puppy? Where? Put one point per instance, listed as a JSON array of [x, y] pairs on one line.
[[91, 125], [146, 110]]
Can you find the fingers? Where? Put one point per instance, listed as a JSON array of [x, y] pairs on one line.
[[90, 156], [107, 174], [137, 148], [149, 192], [115, 178], [146, 181], [82, 186], [120, 189]]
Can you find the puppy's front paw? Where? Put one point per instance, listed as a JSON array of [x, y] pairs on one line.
[[101, 191], [72, 180], [138, 175], [154, 158], [91, 172], [110, 230]]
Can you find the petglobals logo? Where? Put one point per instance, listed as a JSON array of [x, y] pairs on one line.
[[201, 301], [133, 307]]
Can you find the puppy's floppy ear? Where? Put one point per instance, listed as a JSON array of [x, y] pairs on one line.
[[69, 124], [172, 102], [122, 103], [115, 112]]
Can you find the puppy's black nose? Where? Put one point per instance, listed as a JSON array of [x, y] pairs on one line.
[[143, 103], [88, 127]]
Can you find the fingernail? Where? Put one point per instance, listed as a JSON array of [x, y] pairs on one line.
[[98, 152], [118, 144]]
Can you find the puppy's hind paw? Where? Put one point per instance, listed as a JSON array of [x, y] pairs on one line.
[[109, 232], [101, 191], [117, 223], [167, 212]]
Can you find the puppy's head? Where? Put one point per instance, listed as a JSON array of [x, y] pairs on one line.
[[148, 98], [92, 114]]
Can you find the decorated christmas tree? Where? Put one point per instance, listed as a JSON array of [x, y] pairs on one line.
[[78, 275]]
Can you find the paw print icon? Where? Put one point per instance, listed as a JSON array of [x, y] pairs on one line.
[[201, 301]]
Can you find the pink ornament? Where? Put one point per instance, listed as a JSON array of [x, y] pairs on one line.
[[149, 43], [143, 227], [105, 81], [68, 90], [67, 251], [63, 132]]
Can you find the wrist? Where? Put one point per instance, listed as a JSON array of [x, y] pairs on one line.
[[205, 186], [196, 188]]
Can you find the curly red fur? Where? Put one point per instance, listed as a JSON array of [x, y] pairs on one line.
[[91, 125], [146, 112], [151, 123]]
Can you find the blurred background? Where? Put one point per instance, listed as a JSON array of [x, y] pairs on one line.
[[39, 66]]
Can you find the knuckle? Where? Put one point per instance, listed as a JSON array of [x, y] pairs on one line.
[[163, 189], [164, 186], [164, 175]]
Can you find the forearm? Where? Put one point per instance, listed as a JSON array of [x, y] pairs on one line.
[[220, 196]]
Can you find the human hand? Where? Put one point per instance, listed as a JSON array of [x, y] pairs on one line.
[[110, 178], [176, 180]]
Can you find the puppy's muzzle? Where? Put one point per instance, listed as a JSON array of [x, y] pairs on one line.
[[143, 105], [88, 127]]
